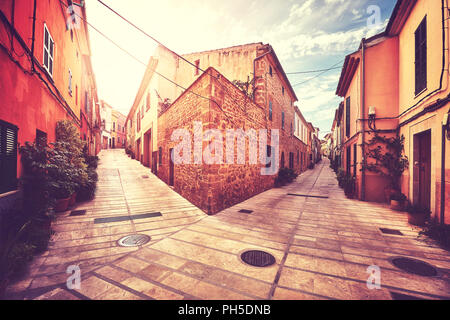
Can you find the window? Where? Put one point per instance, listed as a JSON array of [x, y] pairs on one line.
[[282, 160], [269, 156], [282, 90], [282, 120], [138, 122], [354, 160], [148, 101], [347, 117], [8, 157], [160, 155], [298, 157], [270, 110], [197, 67], [421, 56], [49, 51], [348, 160], [291, 160], [270, 71], [86, 102], [41, 138], [70, 82], [114, 127]]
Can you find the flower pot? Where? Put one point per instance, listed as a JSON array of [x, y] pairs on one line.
[[73, 199], [62, 205], [417, 219], [397, 205]]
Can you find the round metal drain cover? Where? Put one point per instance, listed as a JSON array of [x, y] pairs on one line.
[[415, 266], [258, 258], [134, 240]]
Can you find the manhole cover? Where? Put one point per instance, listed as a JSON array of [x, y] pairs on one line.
[[134, 240], [415, 266], [258, 258], [145, 177], [245, 211]]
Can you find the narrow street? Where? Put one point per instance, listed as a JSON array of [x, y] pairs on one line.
[[323, 244]]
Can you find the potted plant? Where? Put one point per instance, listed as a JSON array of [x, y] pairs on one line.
[[349, 186], [388, 161], [62, 192], [417, 215], [285, 176], [397, 201]]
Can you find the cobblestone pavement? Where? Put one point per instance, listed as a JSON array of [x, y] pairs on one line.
[[323, 246]]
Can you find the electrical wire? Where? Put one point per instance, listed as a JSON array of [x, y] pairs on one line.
[[144, 64], [313, 71], [318, 75]]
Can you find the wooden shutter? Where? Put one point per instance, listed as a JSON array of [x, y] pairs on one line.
[[421, 56], [347, 117], [8, 157]]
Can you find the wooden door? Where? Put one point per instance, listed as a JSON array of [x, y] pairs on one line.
[[422, 169]]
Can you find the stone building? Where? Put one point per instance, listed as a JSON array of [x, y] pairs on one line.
[[174, 94]]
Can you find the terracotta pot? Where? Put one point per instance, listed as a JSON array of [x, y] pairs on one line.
[[397, 205], [73, 199], [62, 205], [417, 219]]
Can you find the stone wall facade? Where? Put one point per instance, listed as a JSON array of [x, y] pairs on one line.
[[222, 106]]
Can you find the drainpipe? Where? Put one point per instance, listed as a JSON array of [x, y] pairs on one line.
[[13, 8], [33, 36], [444, 134], [363, 130]]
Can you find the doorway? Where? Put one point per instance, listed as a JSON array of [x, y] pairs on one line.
[[147, 148], [171, 169], [155, 163], [138, 149], [422, 170]]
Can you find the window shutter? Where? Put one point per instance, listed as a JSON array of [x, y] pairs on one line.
[[270, 110], [8, 157], [421, 57], [347, 117]]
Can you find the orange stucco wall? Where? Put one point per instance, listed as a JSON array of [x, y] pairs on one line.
[[25, 100], [410, 104]]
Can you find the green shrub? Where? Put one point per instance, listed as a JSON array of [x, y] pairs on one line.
[[438, 232], [285, 176]]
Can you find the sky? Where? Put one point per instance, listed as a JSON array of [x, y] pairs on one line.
[[305, 34]]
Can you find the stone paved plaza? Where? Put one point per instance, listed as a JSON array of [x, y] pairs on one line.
[[322, 246]]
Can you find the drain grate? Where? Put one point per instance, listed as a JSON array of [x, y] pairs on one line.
[[145, 177], [391, 231], [127, 218], [257, 258], [134, 240], [78, 213], [414, 266], [245, 211], [307, 196]]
